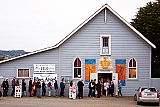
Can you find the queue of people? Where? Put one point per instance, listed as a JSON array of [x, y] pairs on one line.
[[35, 88]]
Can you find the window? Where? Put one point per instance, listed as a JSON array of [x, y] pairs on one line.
[[23, 73], [77, 68], [105, 45], [132, 69]]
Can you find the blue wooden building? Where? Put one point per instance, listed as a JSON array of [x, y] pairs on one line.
[[103, 45]]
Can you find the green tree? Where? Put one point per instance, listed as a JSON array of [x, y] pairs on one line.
[[147, 21]]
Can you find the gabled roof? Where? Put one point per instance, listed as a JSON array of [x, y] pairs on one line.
[[79, 27]]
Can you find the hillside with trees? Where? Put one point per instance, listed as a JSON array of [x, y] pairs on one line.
[[11, 53]]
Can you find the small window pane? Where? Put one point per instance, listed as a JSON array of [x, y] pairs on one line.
[[77, 63], [77, 72], [20, 73], [105, 41], [134, 63], [132, 73], [26, 73], [130, 63]]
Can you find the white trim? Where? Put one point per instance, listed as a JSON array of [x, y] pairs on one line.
[[23, 77], [104, 71], [76, 67], [149, 80], [105, 15], [79, 27], [101, 44], [131, 68]]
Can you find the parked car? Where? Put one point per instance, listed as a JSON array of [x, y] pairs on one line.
[[144, 94]]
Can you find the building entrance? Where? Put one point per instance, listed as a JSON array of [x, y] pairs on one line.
[[103, 77]]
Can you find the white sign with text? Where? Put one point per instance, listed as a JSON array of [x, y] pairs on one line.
[[44, 68]]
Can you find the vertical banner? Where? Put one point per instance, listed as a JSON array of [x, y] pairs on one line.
[[121, 70], [90, 67]]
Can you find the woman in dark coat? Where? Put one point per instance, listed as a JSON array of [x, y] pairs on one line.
[[23, 87], [30, 87], [43, 88], [80, 88]]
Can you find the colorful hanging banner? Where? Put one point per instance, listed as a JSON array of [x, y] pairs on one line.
[[90, 67], [121, 70]]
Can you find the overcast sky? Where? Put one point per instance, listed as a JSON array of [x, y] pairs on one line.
[[36, 24]]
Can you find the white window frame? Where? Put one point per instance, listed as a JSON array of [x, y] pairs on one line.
[[133, 68], [101, 44], [23, 77], [76, 67]]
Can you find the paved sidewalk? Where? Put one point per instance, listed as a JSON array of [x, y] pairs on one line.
[[66, 102]]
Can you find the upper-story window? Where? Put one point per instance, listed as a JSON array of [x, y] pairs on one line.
[[23, 73], [77, 67], [105, 45], [132, 69]]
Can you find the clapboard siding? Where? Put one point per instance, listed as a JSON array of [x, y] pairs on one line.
[[48, 57], [155, 82], [125, 44], [85, 44]]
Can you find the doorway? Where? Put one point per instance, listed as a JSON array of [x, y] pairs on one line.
[[103, 77]]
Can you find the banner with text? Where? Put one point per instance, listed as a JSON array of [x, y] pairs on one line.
[[44, 68]]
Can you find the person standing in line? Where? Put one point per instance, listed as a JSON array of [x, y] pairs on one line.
[[99, 89], [30, 87], [34, 87], [7, 86], [56, 87], [106, 87], [49, 89], [119, 89], [94, 88], [102, 87], [73, 90], [13, 86], [17, 82], [23, 88], [80, 88], [112, 88], [62, 86], [43, 88], [90, 88], [38, 87], [71, 83], [4, 86]]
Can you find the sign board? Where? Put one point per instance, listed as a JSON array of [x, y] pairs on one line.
[[44, 68], [45, 77], [18, 91]]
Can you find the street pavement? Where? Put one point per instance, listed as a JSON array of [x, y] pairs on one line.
[[66, 102]]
